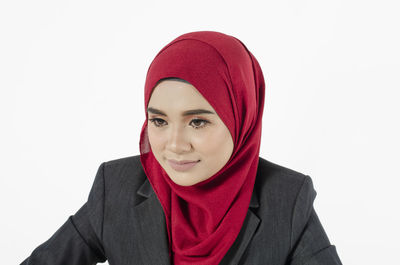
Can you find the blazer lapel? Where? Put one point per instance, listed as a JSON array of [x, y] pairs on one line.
[[151, 231], [150, 228], [250, 224]]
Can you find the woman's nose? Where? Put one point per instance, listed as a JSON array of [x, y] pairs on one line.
[[177, 141]]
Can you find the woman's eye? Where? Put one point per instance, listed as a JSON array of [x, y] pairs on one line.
[[157, 122], [198, 123]]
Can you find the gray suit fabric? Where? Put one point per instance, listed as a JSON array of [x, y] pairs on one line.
[[123, 222]]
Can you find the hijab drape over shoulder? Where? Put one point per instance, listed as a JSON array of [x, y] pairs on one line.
[[203, 220]]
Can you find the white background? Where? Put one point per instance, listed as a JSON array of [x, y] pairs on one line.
[[72, 76]]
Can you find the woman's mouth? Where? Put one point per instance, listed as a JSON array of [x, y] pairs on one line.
[[182, 165]]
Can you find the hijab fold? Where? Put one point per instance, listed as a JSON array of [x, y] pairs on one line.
[[203, 220]]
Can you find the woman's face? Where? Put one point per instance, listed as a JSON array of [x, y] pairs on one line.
[[183, 126]]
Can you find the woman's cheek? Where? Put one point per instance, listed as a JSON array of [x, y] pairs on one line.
[[210, 142], [155, 138]]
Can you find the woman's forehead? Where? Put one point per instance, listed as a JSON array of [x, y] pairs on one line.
[[179, 97], [177, 92]]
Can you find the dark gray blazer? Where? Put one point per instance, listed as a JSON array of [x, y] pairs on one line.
[[123, 222]]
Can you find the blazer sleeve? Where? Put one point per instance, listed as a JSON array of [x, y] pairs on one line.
[[309, 242], [79, 240]]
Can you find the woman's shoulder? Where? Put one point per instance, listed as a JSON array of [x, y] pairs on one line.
[[273, 181], [123, 176], [280, 183], [270, 171]]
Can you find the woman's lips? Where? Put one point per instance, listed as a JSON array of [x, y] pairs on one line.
[[182, 165]]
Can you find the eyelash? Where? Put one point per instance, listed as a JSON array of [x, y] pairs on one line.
[[154, 121]]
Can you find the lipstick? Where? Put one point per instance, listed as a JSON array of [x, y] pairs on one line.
[[183, 165]]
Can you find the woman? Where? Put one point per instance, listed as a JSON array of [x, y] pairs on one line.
[[198, 193]]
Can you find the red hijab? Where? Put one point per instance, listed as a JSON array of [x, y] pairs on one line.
[[203, 220]]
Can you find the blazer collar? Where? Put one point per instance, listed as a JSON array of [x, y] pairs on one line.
[[150, 228]]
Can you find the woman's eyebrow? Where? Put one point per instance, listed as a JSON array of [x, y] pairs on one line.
[[185, 113]]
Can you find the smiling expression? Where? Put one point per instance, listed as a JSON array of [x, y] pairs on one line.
[[186, 135]]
